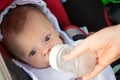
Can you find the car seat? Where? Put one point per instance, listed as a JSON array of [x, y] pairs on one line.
[[61, 12]]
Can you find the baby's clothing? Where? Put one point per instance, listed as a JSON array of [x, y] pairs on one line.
[[49, 73]]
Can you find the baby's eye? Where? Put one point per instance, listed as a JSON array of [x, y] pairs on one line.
[[47, 38], [32, 53]]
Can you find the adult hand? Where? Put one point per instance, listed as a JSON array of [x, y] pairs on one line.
[[105, 44]]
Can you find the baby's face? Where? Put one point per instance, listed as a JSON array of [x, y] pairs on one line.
[[33, 45]]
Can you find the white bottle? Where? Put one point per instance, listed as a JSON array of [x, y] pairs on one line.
[[82, 65]]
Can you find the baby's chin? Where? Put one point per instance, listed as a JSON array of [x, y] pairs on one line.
[[44, 66], [41, 66], [48, 65]]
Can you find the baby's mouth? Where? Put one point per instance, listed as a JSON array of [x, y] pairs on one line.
[[49, 51]]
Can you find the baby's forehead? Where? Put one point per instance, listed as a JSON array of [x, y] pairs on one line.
[[37, 16], [30, 13]]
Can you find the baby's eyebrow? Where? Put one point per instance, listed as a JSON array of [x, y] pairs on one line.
[[49, 34]]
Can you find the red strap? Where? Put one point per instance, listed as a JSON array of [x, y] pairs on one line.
[[107, 18]]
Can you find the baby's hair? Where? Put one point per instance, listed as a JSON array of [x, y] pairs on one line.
[[15, 19], [14, 22]]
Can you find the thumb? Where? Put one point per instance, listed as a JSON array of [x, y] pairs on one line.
[[76, 52]]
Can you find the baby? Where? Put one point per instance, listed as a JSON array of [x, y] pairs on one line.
[[29, 36]]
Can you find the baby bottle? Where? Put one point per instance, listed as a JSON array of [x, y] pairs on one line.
[[82, 65]]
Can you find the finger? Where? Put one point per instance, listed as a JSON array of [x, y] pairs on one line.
[[76, 52]]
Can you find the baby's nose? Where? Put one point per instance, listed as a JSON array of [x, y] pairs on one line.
[[46, 51]]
